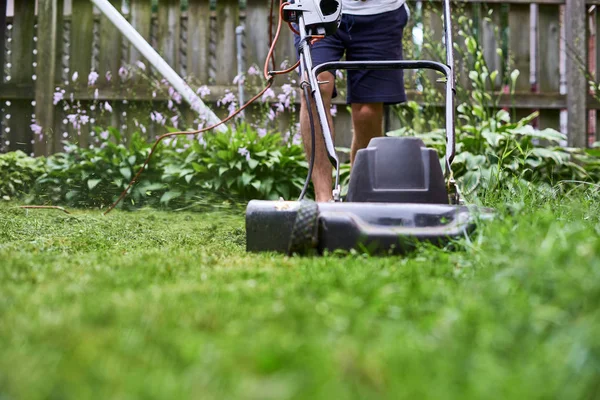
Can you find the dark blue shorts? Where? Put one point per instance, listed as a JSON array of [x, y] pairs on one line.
[[367, 38]]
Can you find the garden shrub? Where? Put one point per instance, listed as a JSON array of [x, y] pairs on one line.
[[184, 170], [94, 177], [18, 172], [493, 150], [242, 163]]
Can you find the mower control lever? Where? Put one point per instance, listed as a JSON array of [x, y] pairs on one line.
[[321, 17]]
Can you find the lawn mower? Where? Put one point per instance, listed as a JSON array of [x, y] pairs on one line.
[[397, 195]]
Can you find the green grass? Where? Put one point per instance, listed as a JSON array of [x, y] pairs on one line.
[[153, 304]]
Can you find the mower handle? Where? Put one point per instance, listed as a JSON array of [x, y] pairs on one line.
[[306, 66], [405, 64]]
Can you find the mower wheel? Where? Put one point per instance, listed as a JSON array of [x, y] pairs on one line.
[[303, 239]]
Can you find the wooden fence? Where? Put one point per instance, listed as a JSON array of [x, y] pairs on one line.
[[45, 42]]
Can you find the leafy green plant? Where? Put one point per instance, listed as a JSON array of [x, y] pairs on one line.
[[18, 172], [184, 171], [493, 149], [243, 163], [84, 177]]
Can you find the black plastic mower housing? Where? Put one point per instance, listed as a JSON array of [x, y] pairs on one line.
[[377, 228], [397, 170]]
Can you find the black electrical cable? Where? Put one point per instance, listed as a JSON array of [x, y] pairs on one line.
[[311, 162]]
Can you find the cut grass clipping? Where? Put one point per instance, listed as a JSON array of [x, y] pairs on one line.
[[162, 305]]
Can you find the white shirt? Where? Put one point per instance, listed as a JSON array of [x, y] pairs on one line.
[[370, 7]]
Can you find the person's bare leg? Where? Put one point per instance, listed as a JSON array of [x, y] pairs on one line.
[[367, 121], [322, 170]]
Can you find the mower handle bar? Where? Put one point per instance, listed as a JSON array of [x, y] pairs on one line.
[[404, 64]]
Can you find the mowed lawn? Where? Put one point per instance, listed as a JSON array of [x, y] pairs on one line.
[[167, 305]]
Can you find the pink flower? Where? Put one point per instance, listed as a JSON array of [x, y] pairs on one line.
[[108, 76], [232, 107], [92, 78], [253, 70], [140, 65], [104, 135], [239, 79], [228, 98], [75, 76], [203, 91], [177, 97], [333, 110], [268, 94], [108, 107], [175, 121], [244, 153], [158, 117], [35, 128], [297, 139], [57, 97], [123, 72], [262, 132]]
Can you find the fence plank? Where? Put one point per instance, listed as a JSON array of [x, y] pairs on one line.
[[548, 60], [257, 32], [3, 4], [60, 65], [433, 41], [141, 20], [22, 72], [520, 50], [45, 72], [2, 42], [576, 53], [519, 56], [80, 57], [597, 65], [198, 34], [226, 63], [110, 49], [491, 27], [169, 31]]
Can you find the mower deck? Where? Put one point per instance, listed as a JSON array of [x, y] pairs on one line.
[[390, 228]]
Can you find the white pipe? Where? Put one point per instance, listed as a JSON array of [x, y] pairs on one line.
[[157, 62]]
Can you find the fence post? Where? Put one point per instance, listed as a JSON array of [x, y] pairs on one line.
[[2, 38], [45, 72], [22, 74], [576, 64], [2, 61]]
